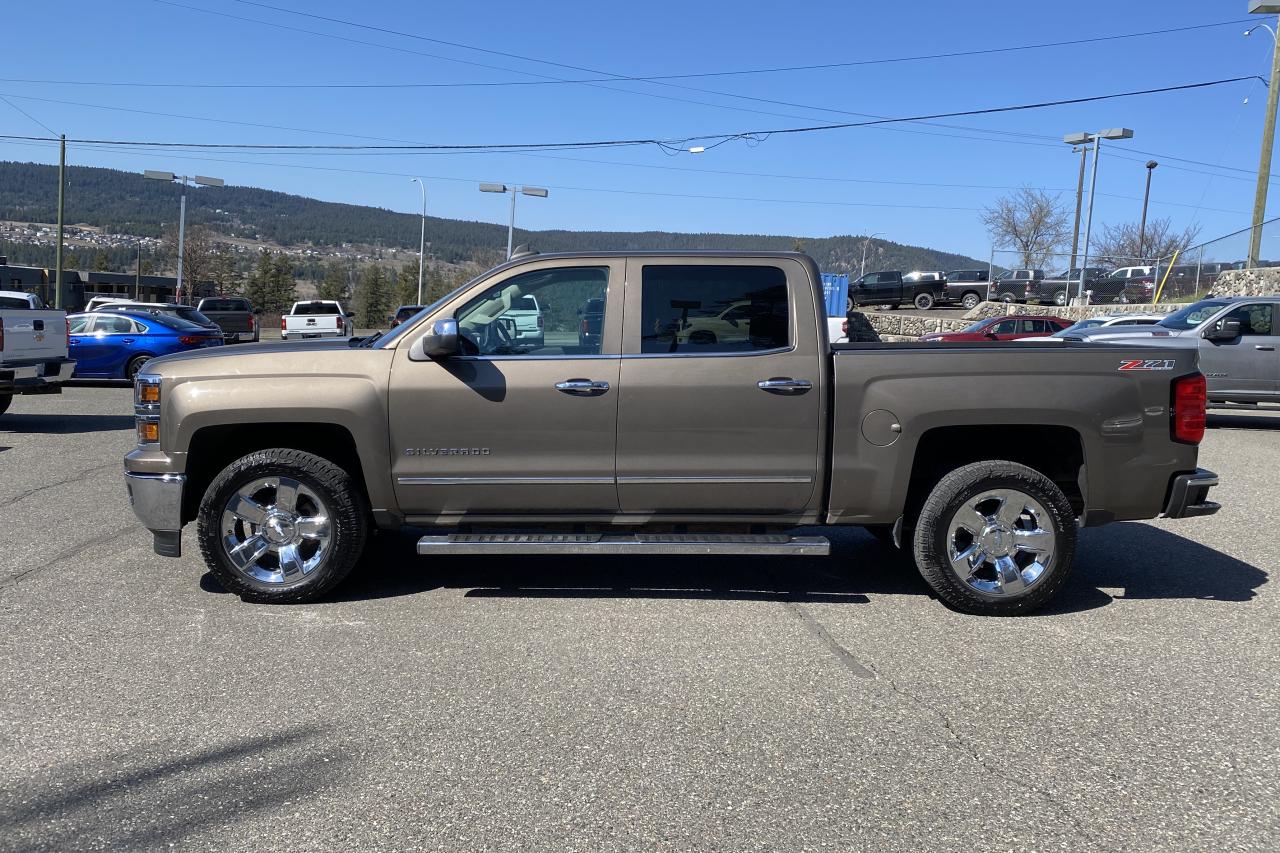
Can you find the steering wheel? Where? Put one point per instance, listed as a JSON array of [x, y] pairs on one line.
[[497, 336]]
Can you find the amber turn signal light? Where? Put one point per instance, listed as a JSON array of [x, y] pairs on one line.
[[148, 393], [148, 432]]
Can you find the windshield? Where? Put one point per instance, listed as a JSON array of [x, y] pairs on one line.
[[224, 305], [388, 339], [1091, 323], [315, 308], [13, 302], [1193, 315]]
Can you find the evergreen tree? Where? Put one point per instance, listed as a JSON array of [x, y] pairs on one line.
[[283, 284], [257, 288], [406, 292], [334, 284], [101, 263], [222, 270], [373, 298]]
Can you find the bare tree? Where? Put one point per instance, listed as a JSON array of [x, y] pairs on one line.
[[1030, 221], [1118, 244], [198, 262]]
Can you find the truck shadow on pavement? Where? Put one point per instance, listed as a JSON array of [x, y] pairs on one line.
[[156, 795], [1142, 561], [64, 424]]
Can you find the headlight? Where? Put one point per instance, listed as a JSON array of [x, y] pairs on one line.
[[146, 408]]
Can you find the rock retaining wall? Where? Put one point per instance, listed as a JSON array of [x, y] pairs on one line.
[[1257, 282]]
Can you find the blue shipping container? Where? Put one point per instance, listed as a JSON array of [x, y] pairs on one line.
[[835, 290]]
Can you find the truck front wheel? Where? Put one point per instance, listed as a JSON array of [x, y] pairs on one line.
[[282, 526], [995, 539]]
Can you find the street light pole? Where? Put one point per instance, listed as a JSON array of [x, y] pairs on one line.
[[537, 192], [1268, 134], [1096, 139], [57, 255], [1146, 197], [862, 269], [1075, 230], [182, 212], [422, 239]]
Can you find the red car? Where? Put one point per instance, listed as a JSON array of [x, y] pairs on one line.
[[1004, 329]]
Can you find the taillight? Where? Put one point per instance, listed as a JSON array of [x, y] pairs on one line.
[[844, 328], [282, 323], [251, 322], [341, 323], [539, 321], [1189, 404], [191, 340], [66, 320]]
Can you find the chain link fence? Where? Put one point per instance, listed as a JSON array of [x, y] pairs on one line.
[[1191, 273], [1058, 278]]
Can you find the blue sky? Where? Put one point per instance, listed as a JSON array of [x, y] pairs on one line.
[[892, 181]]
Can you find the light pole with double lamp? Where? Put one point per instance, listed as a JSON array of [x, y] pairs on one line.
[[536, 192], [182, 211], [1096, 139]]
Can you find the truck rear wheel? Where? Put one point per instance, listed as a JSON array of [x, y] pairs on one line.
[[970, 301], [1060, 298], [282, 526], [995, 539], [923, 301]]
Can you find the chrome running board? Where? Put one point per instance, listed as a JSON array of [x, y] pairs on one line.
[[707, 544]]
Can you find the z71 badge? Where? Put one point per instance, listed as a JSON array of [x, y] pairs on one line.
[[1147, 364]]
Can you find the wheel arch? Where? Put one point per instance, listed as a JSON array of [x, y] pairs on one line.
[[214, 447]]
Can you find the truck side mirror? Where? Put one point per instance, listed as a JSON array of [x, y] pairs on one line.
[[442, 340], [1224, 330]]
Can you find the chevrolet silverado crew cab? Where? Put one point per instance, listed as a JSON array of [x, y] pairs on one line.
[[650, 438], [316, 318]]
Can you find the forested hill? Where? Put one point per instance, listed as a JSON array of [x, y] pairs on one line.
[[127, 203]]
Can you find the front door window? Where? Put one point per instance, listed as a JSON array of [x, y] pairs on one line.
[[535, 313]]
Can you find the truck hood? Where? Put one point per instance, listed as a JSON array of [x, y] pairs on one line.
[[319, 356]]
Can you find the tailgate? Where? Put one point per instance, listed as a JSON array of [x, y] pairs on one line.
[[311, 322], [231, 321], [33, 335]]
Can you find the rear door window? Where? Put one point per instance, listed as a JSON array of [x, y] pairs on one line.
[[709, 309]]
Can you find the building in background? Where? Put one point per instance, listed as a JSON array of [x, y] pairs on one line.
[[79, 286]]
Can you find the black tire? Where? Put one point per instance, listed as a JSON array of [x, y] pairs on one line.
[[893, 306], [923, 301], [5, 401], [970, 301], [947, 501], [1007, 298], [134, 366], [1060, 298], [343, 500]]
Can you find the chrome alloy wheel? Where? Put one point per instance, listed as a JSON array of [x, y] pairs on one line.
[[1001, 542], [276, 530]]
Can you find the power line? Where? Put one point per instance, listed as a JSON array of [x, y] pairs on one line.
[[649, 78], [27, 114], [750, 136]]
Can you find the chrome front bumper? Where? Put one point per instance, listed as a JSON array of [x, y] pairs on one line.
[[157, 502], [1188, 495]]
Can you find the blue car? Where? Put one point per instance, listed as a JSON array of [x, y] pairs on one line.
[[115, 344]]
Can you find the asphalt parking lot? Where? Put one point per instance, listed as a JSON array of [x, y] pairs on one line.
[[602, 704]]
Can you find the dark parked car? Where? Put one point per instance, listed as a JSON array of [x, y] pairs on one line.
[[1003, 329], [590, 323], [1011, 285], [234, 315], [404, 312], [889, 288], [1060, 287], [170, 309], [968, 287]]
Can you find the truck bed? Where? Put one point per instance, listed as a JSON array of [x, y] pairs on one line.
[[894, 402]]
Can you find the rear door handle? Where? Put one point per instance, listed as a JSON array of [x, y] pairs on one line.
[[582, 387], [126, 340], [784, 385], [1264, 347]]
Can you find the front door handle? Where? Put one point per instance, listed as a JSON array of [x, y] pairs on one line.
[[1264, 347], [784, 385], [582, 387]]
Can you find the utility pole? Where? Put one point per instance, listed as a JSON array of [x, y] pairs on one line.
[[137, 276], [182, 238], [57, 255], [1268, 139], [511, 226], [1075, 231], [1146, 197]]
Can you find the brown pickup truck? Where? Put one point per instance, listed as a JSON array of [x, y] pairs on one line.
[[710, 415]]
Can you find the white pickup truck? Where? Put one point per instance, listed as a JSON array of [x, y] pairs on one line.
[[316, 318], [33, 347]]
